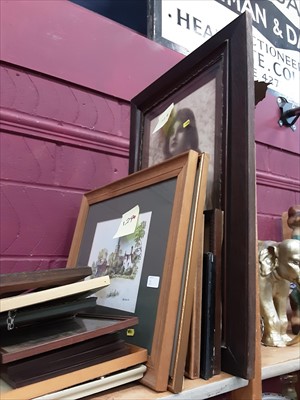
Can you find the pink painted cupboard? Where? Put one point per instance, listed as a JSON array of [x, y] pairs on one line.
[[67, 77]]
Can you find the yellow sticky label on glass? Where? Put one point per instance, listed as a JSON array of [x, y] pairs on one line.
[[130, 332], [186, 123]]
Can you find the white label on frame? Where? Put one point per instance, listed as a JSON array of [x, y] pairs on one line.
[[163, 118], [128, 223], [153, 281]]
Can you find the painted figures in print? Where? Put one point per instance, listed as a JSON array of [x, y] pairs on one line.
[[122, 259]]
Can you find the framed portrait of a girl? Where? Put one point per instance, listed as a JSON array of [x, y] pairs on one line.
[[193, 122]]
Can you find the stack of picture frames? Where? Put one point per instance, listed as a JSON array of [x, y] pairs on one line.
[[184, 197], [143, 231]]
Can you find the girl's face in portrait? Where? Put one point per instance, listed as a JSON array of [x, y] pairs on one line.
[[177, 141]]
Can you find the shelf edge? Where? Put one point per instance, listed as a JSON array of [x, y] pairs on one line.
[[209, 390], [286, 367]]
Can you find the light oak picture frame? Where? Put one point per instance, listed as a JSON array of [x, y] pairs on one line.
[[172, 190]]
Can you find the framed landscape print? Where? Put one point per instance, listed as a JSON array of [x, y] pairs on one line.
[[125, 263], [206, 103], [141, 232]]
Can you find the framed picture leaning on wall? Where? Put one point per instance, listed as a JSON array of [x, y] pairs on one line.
[[206, 102], [142, 232]]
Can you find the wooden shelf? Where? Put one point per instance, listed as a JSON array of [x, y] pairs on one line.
[[193, 389], [277, 361]]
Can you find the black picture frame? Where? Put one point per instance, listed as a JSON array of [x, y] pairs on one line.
[[226, 58]]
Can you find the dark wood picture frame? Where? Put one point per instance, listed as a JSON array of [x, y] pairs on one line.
[[172, 190], [227, 58], [53, 335], [16, 283]]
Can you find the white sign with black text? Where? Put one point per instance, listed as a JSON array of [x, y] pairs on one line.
[[276, 37]]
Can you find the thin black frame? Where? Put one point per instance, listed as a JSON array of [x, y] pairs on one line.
[[233, 46]]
